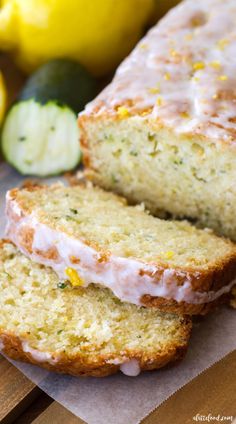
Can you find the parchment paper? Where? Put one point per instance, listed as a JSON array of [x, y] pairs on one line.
[[126, 400]]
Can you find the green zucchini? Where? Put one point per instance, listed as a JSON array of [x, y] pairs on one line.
[[40, 135]]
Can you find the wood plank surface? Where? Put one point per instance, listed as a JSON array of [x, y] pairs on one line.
[[40, 404], [57, 414], [212, 392], [16, 392]]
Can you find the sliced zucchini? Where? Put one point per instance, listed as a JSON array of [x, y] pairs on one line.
[[40, 135], [41, 139]]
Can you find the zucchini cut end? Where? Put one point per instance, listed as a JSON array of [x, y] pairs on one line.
[[41, 140]]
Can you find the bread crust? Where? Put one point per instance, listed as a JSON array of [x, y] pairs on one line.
[[203, 280], [94, 365], [182, 307]]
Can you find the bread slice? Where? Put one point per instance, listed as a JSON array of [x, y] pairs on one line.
[[80, 331], [88, 235], [164, 131]]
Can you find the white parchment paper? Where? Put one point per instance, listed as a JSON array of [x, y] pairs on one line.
[[126, 400]]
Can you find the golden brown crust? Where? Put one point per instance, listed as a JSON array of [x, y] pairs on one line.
[[4, 241], [97, 366], [108, 117], [184, 308], [13, 194], [74, 260], [211, 279], [26, 236], [84, 145], [32, 185], [72, 178], [51, 253]]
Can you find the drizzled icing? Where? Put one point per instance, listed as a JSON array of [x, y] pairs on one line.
[[124, 276], [182, 74], [37, 355], [130, 368]]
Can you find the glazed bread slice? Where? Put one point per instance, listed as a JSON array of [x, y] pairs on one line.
[[89, 235], [81, 332], [164, 131]]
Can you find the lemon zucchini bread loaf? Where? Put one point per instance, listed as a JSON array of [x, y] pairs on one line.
[[81, 332], [164, 131], [88, 235]]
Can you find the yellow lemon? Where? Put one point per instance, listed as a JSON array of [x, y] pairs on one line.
[[3, 98], [97, 33]]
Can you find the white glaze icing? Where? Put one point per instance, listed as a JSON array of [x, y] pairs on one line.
[[130, 368], [115, 361], [123, 276], [190, 56], [37, 355]]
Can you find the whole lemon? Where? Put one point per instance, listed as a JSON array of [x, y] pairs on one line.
[[3, 97], [97, 33]]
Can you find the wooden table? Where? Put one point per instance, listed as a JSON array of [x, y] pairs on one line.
[[22, 402], [214, 391]]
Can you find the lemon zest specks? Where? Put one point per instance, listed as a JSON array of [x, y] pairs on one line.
[[168, 255], [198, 66], [184, 115], [215, 64], [222, 78], [173, 53], [159, 101], [167, 76], [154, 90], [188, 37], [74, 278], [123, 112], [146, 112], [143, 46], [221, 44]]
